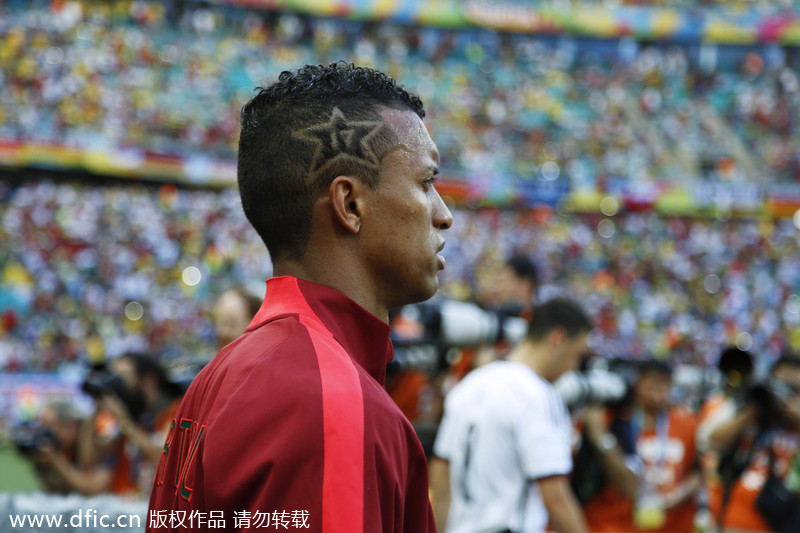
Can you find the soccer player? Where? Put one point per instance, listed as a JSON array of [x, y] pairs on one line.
[[290, 422], [503, 452]]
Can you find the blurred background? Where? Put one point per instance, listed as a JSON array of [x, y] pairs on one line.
[[644, 155]]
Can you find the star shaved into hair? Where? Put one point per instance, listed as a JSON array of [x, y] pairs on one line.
[[339, 140]]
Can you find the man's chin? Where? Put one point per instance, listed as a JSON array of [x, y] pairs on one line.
[[422, 293], [433, 287]]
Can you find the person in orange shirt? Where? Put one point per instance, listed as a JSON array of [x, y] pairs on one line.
[[79, 455], [138, 407], [725, 413], [660, 442], [768, 422], [54, 448]]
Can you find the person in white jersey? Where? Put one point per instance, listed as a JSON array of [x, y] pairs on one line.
[[503, 450]]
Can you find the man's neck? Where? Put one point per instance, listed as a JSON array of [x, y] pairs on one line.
[[533, 356], [336, 279]]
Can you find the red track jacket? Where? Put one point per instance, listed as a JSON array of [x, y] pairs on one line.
[[289, 428]]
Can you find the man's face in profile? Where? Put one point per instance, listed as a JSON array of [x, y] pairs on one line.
[[402, 233]]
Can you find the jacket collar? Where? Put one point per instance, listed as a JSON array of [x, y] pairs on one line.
[[364, 336]]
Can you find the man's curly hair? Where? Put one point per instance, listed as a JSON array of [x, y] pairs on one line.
[[301, 132]]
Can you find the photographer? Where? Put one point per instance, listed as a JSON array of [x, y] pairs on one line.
[[59, 453], [726, 414], [757, 440], [659, 442], [135, 392]]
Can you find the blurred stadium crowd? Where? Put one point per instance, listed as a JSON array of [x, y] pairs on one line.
[[93, 270], [170, 77]]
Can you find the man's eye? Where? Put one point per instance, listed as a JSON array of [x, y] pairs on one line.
[[430, 182]]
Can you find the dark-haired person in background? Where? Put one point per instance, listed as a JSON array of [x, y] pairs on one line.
[[336, 174], [516, 286], [116, 449], [503, 451], [765, 420], [512, 293], [725, 413], [659, 440], [142, 404]]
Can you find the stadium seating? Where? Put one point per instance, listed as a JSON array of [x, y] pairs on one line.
[[170, 78]]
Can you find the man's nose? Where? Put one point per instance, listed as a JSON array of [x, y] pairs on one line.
[[442, 217]]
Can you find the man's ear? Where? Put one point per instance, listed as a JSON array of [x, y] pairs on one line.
[[557, 337], [345, 195]]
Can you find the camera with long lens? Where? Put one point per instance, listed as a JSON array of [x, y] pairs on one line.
[[454, 323], [600, 381], [30, 438], [100, 382], [595, 386], [429, 329]]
